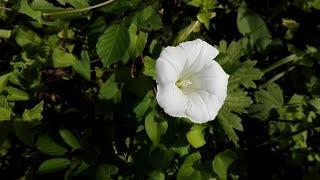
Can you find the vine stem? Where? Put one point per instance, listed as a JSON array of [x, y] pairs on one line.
[[6, 9], [77, 10]]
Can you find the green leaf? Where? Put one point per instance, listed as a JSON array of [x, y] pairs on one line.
[[34, 114], [148, 19], [138, 41], [141, 109], [113, 44], [149, 67], [154, 128], [196, 135], [222, 161], [53, 165], [156, 175], [109, 90], [184, 33], [5, 114], [267, 99], [69, 138], [106, 171], [47, 146], [83, 67], [24, 37], [250, 23], [62, 59], [247, 74], [3, 81], [27, 10], [188, 169], [15, 94], [229, 122], [5, 33]]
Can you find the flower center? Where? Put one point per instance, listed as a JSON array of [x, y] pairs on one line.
[[183, 83]]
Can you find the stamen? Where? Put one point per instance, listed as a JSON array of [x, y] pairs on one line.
[[183, 83]]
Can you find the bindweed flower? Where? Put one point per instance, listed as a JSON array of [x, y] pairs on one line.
[[190, 83]]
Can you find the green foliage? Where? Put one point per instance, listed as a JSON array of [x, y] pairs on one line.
[[78, 90], [222, 161]]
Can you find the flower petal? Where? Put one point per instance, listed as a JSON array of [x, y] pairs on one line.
[[212, 79], [174, 57], [199, 54], [171, 99], [202, 106]]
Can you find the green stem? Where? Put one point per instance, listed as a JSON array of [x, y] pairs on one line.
[[6, 9], [277, 76], [77, 10], [292, 57]]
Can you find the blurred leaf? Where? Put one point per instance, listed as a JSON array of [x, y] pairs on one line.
[[113, 44], [53, 165], [3, 81], [27, 10], [250, 23], [62, 59], [196, 135], [184, 33], [24, 37], [83, 67], [5, 114], [222, 161], [154, 128], [149, 67], [47, 146], [69, 138], [156, 175], [34, 114], [5, 33], [109, 90], [141, 109], [106, 171]]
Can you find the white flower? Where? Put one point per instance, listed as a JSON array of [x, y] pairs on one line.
[[189, 82]]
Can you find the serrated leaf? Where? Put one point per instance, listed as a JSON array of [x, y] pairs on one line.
[[229, 122], [247, 74], [112, 44], [148, 19], [267, 99], [53, 165], [15, 94], [138, 40], [27, 10], [47, 146], [222, 161], [69, 138], [155, 129], [196, 135], [5, 114], [34, 114], [188, 169], [149, 68]]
